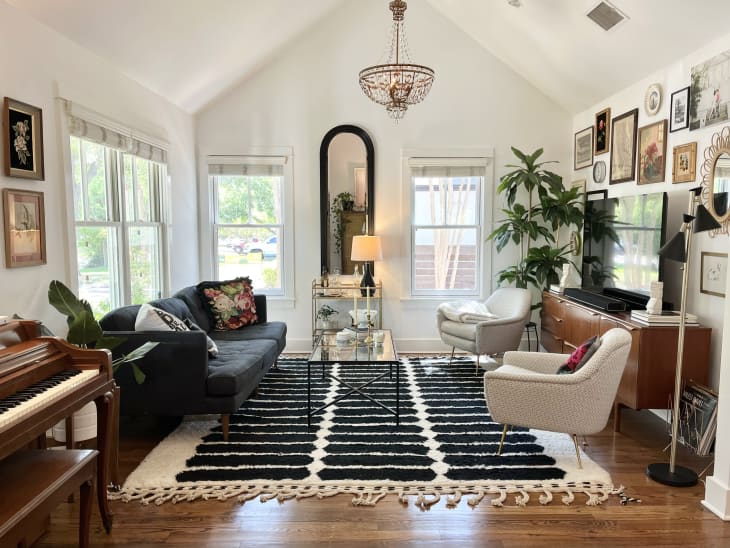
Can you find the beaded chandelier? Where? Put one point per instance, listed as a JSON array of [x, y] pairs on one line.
[[398, 83]]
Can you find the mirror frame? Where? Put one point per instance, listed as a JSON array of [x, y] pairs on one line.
[[324, 206], [719, 145]]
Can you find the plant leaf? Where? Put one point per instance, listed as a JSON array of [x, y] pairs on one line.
[[62, 299], [84, 330]]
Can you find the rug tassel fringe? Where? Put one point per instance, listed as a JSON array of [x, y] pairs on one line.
[[522, 499], [499, 502], [568, 498], [546, 497], [453, 501]]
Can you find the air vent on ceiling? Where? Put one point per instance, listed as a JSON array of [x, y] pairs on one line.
[[606, 15]]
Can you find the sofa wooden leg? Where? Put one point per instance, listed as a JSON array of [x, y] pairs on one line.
[[225, 423], [453, 349], [501, 441], [577, 451]]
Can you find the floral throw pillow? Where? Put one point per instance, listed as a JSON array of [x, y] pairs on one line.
[[580, 356], [230, 304]]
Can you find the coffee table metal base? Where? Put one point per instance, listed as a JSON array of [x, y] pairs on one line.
[[354, 390]]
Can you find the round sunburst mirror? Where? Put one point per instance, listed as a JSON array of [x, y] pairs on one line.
[[716, 179]]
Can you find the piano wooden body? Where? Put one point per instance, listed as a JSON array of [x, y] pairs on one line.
[[43, 380]]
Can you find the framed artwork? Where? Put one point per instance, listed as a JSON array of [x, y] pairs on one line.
[[580, 183], [653, 99], [24, 226], [713, 270], [709, 91], [593, 195], [583, 148], [623, 147], [652, 152], [679, 110], [22, 140], [603, 119], [684, 162], [599, 171]]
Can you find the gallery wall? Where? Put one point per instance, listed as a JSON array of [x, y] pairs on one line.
[[709, 308], [39, 65], [476, 101]]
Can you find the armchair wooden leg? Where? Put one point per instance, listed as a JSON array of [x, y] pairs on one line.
[[577, 451], [225, 423], [476, 366], [453, 349], [501, 441]]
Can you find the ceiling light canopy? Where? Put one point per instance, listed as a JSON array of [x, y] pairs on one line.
[[398, 83]]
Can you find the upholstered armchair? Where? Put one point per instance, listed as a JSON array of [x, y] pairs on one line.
[[527, 391], [492, 327]]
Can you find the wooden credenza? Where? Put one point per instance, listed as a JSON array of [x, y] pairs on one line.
[[648, 380]]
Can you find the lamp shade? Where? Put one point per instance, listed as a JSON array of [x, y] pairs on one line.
[[704, 220], [675, 249], [366, 248]]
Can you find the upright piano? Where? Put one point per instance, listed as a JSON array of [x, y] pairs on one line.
[[43, 380]]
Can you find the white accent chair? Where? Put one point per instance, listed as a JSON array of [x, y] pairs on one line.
[[511, 308], [527, 391]]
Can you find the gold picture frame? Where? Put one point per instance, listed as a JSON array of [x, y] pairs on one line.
[[22, 140], [652, 153], [684, 162], [25, 228], [602, 130]]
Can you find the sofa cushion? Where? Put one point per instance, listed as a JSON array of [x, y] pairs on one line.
[[275, 331], [212, 347], [172, 305], [230, 303], [151, 318], [120, 319], [199, 312], [238, 365]]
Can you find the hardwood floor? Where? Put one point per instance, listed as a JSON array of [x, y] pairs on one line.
[[664, 517]]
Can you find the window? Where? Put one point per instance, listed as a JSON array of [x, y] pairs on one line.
[[248, 220], [119, 209], [446, 225]]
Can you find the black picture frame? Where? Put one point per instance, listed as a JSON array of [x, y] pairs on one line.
[[624, 129], [22, 140], [679, 110], [593, 195], [602, 131]]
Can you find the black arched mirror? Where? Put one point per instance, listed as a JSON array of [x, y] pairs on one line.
[[346, 194]]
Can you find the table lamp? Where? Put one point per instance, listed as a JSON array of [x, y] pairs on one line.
[[678, 249], [365, 249]]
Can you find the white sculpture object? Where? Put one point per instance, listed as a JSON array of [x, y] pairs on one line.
[[564, 277], [656, 291]]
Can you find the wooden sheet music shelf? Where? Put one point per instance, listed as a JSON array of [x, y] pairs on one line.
[[648, 380]]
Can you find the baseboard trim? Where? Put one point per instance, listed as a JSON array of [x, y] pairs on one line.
[[717, 498]]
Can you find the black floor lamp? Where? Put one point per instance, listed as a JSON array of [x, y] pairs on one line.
[[678, 249]]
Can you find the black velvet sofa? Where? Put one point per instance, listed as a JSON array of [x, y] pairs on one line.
[[181, 378]]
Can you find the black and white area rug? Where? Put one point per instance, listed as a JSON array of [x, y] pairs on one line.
[[445, 446]]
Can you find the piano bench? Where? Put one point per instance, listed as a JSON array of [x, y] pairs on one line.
[[34, 482]]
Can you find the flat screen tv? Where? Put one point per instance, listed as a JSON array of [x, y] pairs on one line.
[[621, 241]]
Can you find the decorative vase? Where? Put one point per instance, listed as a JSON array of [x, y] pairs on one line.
[[367, 283]]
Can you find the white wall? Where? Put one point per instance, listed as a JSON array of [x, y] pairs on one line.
[[674, 77], [38, 65], [476, 101]]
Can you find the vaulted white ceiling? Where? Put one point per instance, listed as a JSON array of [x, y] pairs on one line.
[[191, 51]]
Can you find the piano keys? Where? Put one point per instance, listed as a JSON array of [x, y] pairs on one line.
[[43, 380]]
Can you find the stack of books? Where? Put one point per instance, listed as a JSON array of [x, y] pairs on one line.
[[665, 317]]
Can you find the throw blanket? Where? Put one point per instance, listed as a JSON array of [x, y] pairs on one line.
[[466, 311]]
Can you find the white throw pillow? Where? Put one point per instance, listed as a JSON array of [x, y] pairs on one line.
[[150, 318]]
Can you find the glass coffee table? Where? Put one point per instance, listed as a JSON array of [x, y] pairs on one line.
[[328, 352]]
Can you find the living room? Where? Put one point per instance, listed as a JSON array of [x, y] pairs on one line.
[[283, 101]]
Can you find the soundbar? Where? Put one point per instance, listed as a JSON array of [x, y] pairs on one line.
[[595, 300]]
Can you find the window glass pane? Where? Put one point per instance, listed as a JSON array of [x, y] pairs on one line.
[[94, 159], [265, 200], [142, 195], [78, 189], [253, 252], [445, 200], [445, 258], [128, 174], [233, 199], [144, 263], [96, 249]]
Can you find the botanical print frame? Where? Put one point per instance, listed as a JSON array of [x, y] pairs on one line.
[[583, 148], [24, 227], [602, 131], [623, 147], [22, 140], [679, 110], [710, 83], [652, 152], [713, 273], [684, 163]]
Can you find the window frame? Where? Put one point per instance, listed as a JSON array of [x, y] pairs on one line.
[[282, 156], [474, 157], [72, 113]]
